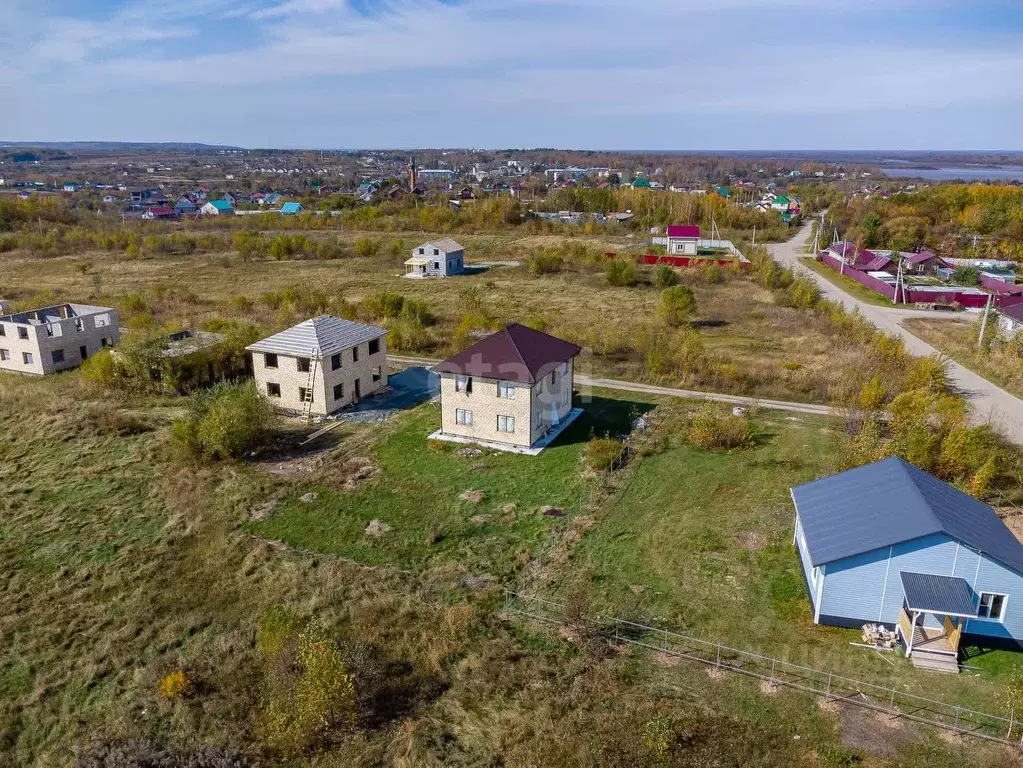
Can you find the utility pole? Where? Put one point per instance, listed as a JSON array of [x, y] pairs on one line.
[[754, 235], [983, 323], [898, 282]]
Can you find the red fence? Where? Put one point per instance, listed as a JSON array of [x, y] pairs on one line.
[[908, 295], [683, 261]]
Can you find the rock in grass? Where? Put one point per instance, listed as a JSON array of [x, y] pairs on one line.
[[549, 511], [307, 498], [473, 497], [377, 528]]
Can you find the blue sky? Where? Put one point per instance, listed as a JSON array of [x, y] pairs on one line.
[[592, 74]]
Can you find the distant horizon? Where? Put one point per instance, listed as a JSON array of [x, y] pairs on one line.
[[760, 152]]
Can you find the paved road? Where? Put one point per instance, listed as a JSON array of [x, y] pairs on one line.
[[991, 403], [689, 394]]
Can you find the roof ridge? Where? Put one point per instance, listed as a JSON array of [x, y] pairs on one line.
[[515, 346], [907, 469]]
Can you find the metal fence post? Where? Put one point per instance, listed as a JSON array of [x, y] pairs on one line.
[[827, 691], [718, 662], [955, 727], [773, 662], [665, 639], [891, 704]]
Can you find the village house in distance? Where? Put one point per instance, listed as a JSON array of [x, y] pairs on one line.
[[56, 338], [321, 365], [442, 258], [512, 391]]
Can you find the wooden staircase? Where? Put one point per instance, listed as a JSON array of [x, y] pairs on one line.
[[936, 661]]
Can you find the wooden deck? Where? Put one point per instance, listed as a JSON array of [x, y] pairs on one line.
[[932, 640]]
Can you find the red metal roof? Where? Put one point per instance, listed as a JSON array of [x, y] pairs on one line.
[[684, 230], [162, 210], [516, 353]]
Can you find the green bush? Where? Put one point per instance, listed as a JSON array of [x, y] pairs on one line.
[[716, 430], [224, 422], [366, 246], [677, 305], [665, 277], [384, 304], [603, 453], [620, 273], [309, 689], [543, 261]]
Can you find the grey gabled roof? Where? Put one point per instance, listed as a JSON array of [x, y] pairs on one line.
[[931, 593], [318, 337], [889, 502]]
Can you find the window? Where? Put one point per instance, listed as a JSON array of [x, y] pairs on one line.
[[355, 354], [305, 394], [339, 391], [57, 355], [992, 605], [49, 331], [26, 358], [79, 325], [22, 333], [5, 354], [303, 364], [269, 360], [436, 251], [422, 251], [106, 341], [506, 389], [506, 424], [273, 390], [436, 265], [463, 384], [554, 378], [374, 346], [335, 361], [377, 374], [463, 417], [3, 331]]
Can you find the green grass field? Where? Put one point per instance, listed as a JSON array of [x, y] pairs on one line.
[[416, 492]]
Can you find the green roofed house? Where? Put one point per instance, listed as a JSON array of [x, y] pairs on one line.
[[641, 183], [217, 208]]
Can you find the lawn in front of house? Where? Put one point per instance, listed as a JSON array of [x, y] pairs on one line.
[[700, 542], [482, 511]]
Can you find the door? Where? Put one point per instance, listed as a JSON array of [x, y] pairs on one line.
[[358, 389], [84, 352]]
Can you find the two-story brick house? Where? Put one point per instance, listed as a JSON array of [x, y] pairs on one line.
[[510, 391], [56, 338], [321, 365]]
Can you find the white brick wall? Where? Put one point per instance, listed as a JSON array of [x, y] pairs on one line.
[[325, 378], [532, 407], [70, 337]]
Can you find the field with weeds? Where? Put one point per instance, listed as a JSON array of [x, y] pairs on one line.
[[957, 338], [147, 614], [786, 353], [848, 285]]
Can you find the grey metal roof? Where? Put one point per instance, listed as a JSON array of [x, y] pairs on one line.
[[446, 245], [318, 337], [891, 501], [931, 593]]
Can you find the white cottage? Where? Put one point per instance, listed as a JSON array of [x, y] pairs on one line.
[[441, 258]]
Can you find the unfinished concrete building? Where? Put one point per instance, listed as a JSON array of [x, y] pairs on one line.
[[56, 338]]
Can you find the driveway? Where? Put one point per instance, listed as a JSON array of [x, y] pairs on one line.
[[990, 402]]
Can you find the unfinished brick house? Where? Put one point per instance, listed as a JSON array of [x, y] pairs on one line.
[[56, 338], [321, 365]]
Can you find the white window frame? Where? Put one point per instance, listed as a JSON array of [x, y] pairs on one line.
[[5, 354], [27, 358], [463, 383], [509, 425], [463, 417], [980, 605], [506, 390]]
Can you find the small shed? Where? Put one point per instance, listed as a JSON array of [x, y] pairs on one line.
[[683, 240], [290, 209], [440, 258]]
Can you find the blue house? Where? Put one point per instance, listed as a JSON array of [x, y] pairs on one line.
[[290, 209], [888, 543]]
